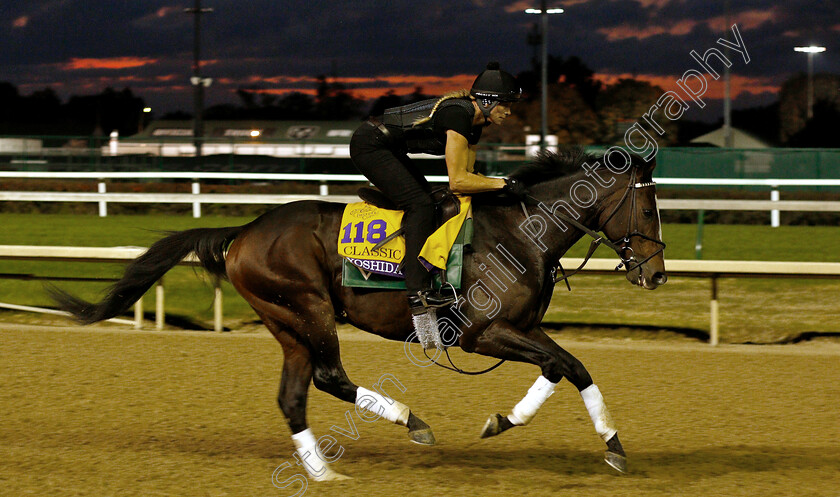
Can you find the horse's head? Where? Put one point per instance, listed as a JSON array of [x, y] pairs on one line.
[[630, 219], [622, 205]]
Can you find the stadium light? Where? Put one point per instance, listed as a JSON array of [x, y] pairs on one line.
[[141, 118], [547, 11], [810, 50], [543, 13]]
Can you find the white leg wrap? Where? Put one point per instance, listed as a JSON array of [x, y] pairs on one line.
[[527, 408], [425, 325], [390, 409], [594, 402], [309, 455]]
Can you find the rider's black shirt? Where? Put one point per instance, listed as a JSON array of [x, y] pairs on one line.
[[430, 137]]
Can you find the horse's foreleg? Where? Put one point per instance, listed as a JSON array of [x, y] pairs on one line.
[[504, 341]]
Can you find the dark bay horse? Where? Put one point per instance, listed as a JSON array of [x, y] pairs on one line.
[[286, 265]]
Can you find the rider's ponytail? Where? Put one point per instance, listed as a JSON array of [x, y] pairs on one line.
[[453, 94]]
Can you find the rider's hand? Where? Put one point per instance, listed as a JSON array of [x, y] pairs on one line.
[[515, 187]]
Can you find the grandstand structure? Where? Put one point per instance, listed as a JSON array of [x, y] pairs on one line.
[[268, 138], [322, 147]]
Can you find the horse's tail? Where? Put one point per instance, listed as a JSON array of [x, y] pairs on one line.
[[208, 244]]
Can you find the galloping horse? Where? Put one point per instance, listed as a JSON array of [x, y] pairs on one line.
[[286, 265]]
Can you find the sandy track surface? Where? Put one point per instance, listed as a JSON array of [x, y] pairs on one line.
[[110, 411]]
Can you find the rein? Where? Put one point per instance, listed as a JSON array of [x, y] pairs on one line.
[[456, 368]]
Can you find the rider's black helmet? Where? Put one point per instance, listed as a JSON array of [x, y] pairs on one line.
[[495, 85]]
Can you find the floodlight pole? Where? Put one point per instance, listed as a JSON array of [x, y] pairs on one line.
[[544, 77], [810, 112], [197, 81], [544, 12], [728, 142], [810, 50]]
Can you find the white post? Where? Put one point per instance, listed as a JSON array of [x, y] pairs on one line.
[[159, 314], [114, 142], [196, 189], [323, 189], [774, 214], [103, 205], [218, 324], [138, 314], [714, 317]]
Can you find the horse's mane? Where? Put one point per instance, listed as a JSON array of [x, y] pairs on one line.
[[546, 166], [549, 165]]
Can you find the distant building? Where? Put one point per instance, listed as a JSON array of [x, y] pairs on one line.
[[740, 139], [328, 139]]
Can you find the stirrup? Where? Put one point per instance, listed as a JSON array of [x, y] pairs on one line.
[[428, 299]]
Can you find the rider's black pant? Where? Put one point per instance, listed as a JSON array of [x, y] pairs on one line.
[[399, 179]]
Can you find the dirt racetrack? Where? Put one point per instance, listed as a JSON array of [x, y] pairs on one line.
[[107, 411]]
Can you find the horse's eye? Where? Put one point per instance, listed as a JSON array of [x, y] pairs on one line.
[[648, 213]]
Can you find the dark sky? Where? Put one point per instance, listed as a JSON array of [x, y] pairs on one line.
[[83, 46]]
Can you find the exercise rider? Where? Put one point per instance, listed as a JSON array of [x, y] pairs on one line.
[[450, 126]]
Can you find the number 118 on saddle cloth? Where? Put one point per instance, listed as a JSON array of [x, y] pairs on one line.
[[364, 225]]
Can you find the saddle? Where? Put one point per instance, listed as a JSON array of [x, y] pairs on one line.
[[446, 203]]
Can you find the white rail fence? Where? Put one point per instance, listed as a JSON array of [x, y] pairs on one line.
[[196, 198], [713, 270]]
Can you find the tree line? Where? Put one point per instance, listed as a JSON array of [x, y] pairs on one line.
[[582, 110]]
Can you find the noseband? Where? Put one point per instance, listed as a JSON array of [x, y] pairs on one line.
[[621, 246]]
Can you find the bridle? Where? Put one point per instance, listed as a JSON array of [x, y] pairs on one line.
[[621, 246]]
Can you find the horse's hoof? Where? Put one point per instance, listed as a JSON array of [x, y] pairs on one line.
[[492, 427], [423, 436], [616, 461], [330, 475], [496, 424]]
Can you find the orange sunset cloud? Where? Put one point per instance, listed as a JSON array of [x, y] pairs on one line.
[[109, 63], [739, 84], [370, 87]]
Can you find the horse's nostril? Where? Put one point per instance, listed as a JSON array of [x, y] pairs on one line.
[[660, 278]]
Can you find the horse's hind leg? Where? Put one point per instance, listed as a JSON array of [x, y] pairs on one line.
[[329, 376], [294, 386], [504, 341], [314, 329]]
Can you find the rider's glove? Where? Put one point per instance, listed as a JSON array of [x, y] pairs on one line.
[[515, 187]]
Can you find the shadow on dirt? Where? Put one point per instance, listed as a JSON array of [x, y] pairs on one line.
[[626, 331], [650, 332]]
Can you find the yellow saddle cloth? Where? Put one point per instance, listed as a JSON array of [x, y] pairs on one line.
[[364, 225]]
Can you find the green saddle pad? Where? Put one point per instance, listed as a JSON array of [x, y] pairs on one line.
[[351, 276]]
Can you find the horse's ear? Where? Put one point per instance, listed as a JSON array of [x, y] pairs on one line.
[[644, 166]]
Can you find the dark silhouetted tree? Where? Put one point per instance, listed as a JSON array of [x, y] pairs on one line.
[[820, 130]]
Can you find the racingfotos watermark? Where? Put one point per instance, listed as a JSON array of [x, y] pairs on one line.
[[640, 139]]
